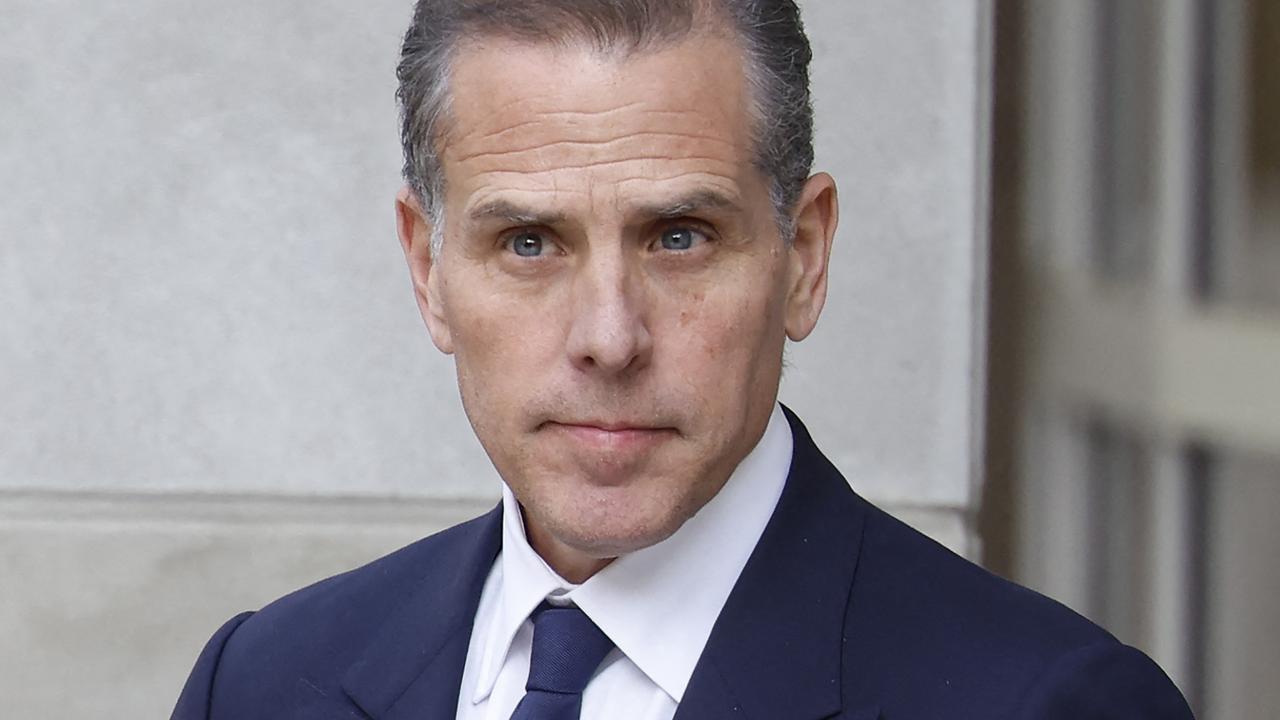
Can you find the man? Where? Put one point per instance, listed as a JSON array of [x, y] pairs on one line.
[[610, 223]]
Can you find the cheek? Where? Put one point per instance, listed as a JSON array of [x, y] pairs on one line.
[[501, 346], [725, 342], [489, 319]]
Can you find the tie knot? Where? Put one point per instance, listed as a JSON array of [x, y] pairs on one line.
[[567, 649]]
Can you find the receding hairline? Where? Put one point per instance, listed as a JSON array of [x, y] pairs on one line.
[[570, 41], [706, 17], [620, 49]]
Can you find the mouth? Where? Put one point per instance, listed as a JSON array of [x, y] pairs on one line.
[[610, 435]]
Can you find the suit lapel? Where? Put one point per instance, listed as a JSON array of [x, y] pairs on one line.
[[776, 649], [413, 666]]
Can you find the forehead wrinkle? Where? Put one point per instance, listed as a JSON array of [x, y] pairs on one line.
[[580, 118], [541, 116], [488, 185], [555, 180], [597, 145]]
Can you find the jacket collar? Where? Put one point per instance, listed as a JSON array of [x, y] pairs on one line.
[[777, 648], [413, 666]]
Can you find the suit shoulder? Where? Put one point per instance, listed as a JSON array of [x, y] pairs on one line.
[[970, 640], [302, 642], [1104, 680], [904, 568], [385, 576]]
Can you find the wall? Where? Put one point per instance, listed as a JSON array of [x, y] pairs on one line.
[[216, 385]]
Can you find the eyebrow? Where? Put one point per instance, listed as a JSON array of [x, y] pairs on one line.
[[696, 201], [699, 200], [514, 214]]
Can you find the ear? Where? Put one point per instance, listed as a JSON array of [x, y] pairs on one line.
[[817, 213], [414, 228]]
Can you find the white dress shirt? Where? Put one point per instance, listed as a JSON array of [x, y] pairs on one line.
[[657, 604]]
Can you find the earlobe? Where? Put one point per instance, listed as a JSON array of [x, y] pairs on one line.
[[414, 228], [816, 216]]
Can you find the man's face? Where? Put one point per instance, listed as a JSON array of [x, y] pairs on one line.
[[612, 281]]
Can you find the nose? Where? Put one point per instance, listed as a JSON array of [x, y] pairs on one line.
[[609, 332]]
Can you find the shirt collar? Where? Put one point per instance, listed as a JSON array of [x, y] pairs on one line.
[[658, 604]]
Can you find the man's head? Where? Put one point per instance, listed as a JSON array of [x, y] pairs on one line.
[[601, 230]]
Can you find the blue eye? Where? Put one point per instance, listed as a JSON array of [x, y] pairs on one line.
[[527, 244], [679, 238]]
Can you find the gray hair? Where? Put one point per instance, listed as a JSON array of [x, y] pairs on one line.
[[775, 48]]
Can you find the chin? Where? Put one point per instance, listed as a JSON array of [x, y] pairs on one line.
[[606, 527], [607, 542]]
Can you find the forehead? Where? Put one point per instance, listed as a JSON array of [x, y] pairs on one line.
[[571, 118]]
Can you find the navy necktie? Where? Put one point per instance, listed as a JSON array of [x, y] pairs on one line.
[[567, 649]]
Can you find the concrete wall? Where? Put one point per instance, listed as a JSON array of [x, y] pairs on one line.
[[215, 383]]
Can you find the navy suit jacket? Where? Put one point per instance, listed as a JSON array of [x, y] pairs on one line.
[[841, 612]]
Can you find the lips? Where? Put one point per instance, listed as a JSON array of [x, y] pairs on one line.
[[609, 435]]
